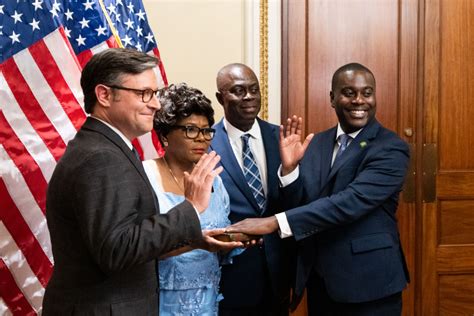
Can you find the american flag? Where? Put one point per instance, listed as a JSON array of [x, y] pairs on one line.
[[43, 46]]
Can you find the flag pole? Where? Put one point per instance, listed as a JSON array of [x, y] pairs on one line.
[[111, 25]]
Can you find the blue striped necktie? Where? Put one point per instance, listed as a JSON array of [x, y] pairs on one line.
[[251, 172]]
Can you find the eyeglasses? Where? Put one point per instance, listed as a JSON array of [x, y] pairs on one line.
[[192, 132], [147, 94]]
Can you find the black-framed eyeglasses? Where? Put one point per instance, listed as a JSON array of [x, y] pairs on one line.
[[192, 132], [147, 94]]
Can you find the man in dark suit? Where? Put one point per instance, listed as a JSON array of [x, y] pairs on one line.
[[257, 282], [106, 231], [341, 207]]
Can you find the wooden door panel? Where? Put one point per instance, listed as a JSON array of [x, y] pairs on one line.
[[455, 184], [456, 293], [456, 222], [456, 259]]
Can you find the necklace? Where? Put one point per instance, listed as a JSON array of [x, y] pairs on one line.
[[172, 174]]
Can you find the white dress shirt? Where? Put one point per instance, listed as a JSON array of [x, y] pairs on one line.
[[285, 230], [256, 146]]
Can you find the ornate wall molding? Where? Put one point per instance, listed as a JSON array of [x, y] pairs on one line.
[[264, 58], [263, 52]]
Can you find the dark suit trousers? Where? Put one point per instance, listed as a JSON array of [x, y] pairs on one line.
[[320, 304], [268, 307], [267, 310]]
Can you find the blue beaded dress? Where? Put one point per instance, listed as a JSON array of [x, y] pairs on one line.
[[189, 283]]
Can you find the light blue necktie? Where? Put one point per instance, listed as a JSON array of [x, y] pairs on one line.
[[344, 142], [251, 172]]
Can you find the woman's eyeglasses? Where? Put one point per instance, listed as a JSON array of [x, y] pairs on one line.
[[192, 132]]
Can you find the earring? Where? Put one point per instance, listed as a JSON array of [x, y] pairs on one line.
[[165, 143]]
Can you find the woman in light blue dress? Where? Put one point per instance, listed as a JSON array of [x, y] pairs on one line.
[[189, 282]]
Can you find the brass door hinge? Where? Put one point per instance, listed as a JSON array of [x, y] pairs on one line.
[[430, 168], [429, 171]]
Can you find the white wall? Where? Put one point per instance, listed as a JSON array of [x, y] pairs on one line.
[[197, 37]]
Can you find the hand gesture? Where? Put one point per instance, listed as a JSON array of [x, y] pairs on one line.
[[291, 147], [198, 184]]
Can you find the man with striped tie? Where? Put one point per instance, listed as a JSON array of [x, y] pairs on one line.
[[257, 283]]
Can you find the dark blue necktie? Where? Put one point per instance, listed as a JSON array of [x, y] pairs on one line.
[[344, 142], [135, 153], [251, 173]]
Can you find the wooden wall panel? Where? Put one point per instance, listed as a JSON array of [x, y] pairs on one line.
[[294, 60], [335, 38], [455, 295]]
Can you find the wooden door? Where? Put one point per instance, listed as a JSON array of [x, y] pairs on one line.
[[447, 228]]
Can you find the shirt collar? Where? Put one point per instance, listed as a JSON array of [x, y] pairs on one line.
[[340, 132], [235, 133], [119, 133]]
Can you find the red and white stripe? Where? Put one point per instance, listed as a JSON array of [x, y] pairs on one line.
[[41, 109]]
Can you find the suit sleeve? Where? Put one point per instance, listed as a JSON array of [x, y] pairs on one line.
[[375, 186], [117, 217]]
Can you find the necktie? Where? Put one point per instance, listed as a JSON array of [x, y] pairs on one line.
[[251, 173], [135, 153], [344, 142]]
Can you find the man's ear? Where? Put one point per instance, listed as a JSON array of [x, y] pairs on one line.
[[219, 98], [331, 97], [103, 94]]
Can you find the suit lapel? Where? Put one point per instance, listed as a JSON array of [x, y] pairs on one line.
[[327, 149], [355, 147], [98, 126], [270, 142], [221, 145]]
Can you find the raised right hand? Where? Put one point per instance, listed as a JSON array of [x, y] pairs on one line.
[[198, 183], [291, 147]]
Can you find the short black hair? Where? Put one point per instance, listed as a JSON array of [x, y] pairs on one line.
[[108, 67], [346, 67], [178, 102]]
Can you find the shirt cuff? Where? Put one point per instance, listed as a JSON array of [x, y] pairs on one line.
[[285, 230], [289, 178]]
